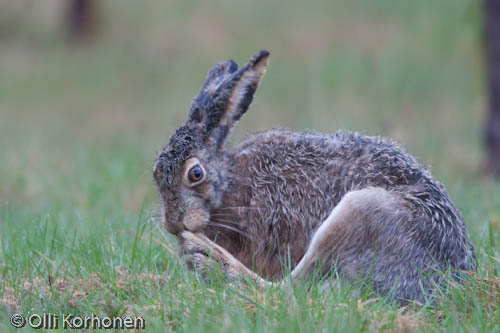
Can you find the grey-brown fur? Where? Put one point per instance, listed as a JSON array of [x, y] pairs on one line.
[[385, 218]]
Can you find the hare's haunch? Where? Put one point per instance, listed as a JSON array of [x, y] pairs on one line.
[[357, 204]]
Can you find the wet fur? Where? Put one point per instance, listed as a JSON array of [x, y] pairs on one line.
[[360, 204]]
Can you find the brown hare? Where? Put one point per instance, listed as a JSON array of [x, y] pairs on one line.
[[355, 204]]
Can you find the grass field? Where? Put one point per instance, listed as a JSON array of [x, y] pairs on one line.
[[80, 127]]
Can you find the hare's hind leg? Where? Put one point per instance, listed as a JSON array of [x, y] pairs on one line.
[[363, 226]]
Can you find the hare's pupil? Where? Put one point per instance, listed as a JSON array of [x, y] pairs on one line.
[[197, 172]]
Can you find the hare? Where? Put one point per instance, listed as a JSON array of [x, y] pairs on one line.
[[355, 204]]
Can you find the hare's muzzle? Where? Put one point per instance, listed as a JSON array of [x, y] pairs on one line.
[[195, 220]]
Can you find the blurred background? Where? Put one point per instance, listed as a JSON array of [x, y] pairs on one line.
[[91, 90]]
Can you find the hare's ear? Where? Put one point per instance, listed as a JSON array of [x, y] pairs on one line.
[[218, 75], [232, 97]]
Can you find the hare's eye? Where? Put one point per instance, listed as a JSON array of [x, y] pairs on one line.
[[195, 173]]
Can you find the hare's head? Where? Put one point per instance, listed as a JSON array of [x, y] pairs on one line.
[[189, 171]]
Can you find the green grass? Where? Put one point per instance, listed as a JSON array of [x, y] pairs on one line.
[[80, 128]]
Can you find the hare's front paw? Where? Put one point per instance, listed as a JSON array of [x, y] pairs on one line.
[[213, 261], [201, 255]]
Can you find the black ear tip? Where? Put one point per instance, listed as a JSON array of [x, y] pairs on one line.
[[264, 53], [259, 56]]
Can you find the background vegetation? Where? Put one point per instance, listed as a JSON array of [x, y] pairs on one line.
[[80, 126]]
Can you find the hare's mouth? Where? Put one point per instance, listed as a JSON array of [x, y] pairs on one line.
[[195, 220]]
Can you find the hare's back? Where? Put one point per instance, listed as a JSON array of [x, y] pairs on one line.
[[348, 159], [312, 172], [301, 177]]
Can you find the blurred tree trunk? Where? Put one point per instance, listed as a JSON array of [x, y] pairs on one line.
[[492, 126], [81, 19]]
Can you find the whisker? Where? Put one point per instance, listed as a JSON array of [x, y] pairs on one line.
[[229, 228], [228, 215], [242, 207], [227, 221]]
